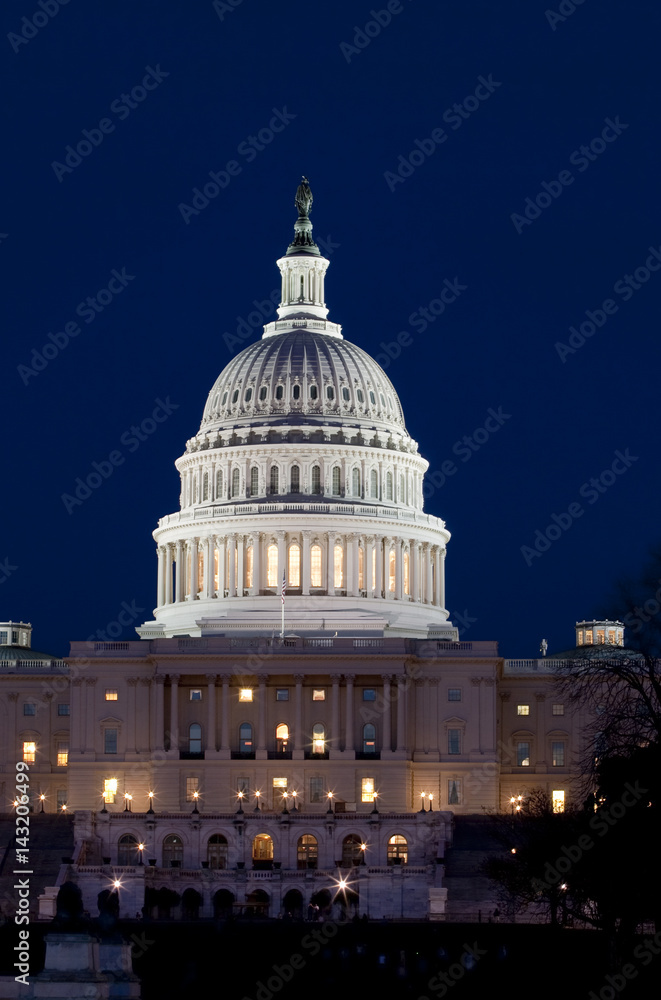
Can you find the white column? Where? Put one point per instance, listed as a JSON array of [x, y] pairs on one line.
[[414, 570], [399, 569], [231, 549], [174, 713], [132, 683], [208, 567], [222, 566], [168, 573], [348, 736], [181, 573], [225, 715], [428, 578], [256, 563], [441, 579], [387, 735], [437, 577], [330, 564], [189, 570], [335, 714], [369, 579], [353, 579], [378, 583], [401, 713], [240, 571], [282, 559], [160, 599], [305, 569], [211, 714], [90, 683]]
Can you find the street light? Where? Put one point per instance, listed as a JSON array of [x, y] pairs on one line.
[[363, 848], [374, 797], [141, 848], [423, 796], [257, 794], [127, 800], [41, 799], [431, 799], [293, 795], [285, 810], [240, 798], [196, 796], [151, 802], [330, 803]]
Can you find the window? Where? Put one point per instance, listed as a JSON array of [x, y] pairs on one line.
[[558, 754], [346, 395], [296, 392], [558, 800], [369, 738], [109, 790], [369, 694], [454, 792], [295, 479], [192, 786], [195, 694], [454, 694], [282, 694], [235, 396], [360, 395], [351, 850], [195, 738], [454, 741], [245, 694], [249, 566], [558, 709], [374, 483], [263, 392], [315, 566], [407, 587], [523, 755], [224, 399], [29, 709], [306, 851], [29, 752], [330, 393], [248, 395], [294, 569], [217, 848], [245, 737], [279, 787], [110, 741], [262, 848], [318, 738], [336, 480], [235, 483], [272, 566], [61, 795], [355, 482], [319, 694], [389, 486], [111, 694], [205, 486], [367, 789], [317, 790], [398, 850], [338, 567], [219, 484], [281, 737], [372, 398], [254, 481], [391, 571], [279, 392], [361, 568], [275, 479], [127, 850], [316, 479], [173, 851], [523, 709], [62, 709], [63, 753], [314, 392]]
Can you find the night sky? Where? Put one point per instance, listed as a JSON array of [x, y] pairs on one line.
[[426, 141]]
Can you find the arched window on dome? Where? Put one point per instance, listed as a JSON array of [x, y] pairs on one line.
[[391, 571], [219, 484], [248, 395], [315, 566], [224, 399], [275, 479], [372, 397], [355, 482], [205, 486], [254, 481], [235, 482], [336, 480], [346, 395], [294, 566], [338, 567], [407, 575], [360, 396], [314, 392], [361, 568], [296, 392], [194, 487], [383, 401], [330, 393], [295, 486], [389, 486], [235, 396], [374, 484], [279, 391], [249, 565], [316, 479], [263, 393], [272, 566]]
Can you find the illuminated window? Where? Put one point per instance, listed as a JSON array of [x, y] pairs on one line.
[[294, 571], [369, 738], [272, 566], [249, 566], [319, 694], [454, 694], [63, 710], [109, 790], [391, 571], [318, 738], [558, 709], [245, 694], [29, 752], [192, 786], [558, 754], [407, 586], [275, 477], [454, 741], [282, 694], [245, 737], [216, 569], [281, 737], [278, 786], [373, 581], [361, 568], [367, 789], [558, 799], [601, 638], [338, 566], [374, 484], [398, 850], [316, 479], [315, 566], [262, 848], [254, 481], [306, 851], [110, 741], [195, 738], [454, 792], [588, 637], [200, 572], [523, 709], [317, 790], [355, 482], [580, 638], [523, 755], [336, 480], [29, 709], [63, 753], [295, 479]]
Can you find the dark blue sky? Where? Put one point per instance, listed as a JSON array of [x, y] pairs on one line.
[[352, 100]]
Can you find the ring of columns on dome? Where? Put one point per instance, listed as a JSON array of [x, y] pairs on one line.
[[313, 564]]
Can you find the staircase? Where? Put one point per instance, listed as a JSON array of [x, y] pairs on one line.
[[51, 839], [471, 897]]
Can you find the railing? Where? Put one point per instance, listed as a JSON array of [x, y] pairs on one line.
[[361, 643], [440, 644], [110, 646], [541, 666], [33, 664], [240, 509]]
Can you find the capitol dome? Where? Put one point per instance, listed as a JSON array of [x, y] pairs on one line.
[[301, 482]]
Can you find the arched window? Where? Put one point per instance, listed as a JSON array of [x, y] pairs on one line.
[[389, 486], [316, 479], [262, 848], [402, 491], [338, 567], [217, 851], [205, 486], [346, 395], [235, 482], [372, 397], [195, 738], [398, 850], [351, 852], [294, 568], [374, 483], [275, 479], [295, 479], [361, 568], [336, 480], [391, 571], [245, 737], [318, 738], [369, 738], [272, 566], [263, 393], [355, 482], [254, 481], [315, 566], [249, 552], [194, 488], [235, 396], [407, 580], [314, 392], [173, 851], [127, 850], [307, 851], [279, 392], [296, 392], [282, 737], [248, 395], [330, 393], [219, 484]]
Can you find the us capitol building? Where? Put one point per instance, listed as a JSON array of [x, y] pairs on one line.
[[222, 762]]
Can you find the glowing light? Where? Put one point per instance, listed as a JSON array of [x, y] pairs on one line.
[[342, 884], [117, 883], [64, 807], [151, 795], [240, 794], [363, 847], [141, 847], [513, 850]]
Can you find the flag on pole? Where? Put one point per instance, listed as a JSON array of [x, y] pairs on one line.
[[283, 586]]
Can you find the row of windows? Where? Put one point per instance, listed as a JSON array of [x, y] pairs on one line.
[[558, 709], [318, 694], [353, 483], [30, 708], [523, 753], [313, 393], [61, 749]]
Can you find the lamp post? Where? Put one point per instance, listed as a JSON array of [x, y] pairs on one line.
[[196, 796], [363, 848], [285, 810], [141, 848], [239, 795], [127, 802], [151, 802], [374, 798], [423, 796], [257, 794], [431, 799], [293, 795], [41, 799], [330, 803]]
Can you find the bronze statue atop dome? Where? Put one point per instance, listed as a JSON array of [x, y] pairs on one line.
[[303, 199]]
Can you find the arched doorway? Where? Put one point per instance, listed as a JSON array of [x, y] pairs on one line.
[[257, 903], [262, 851], [166, 900], [223, 901], [293, 904], [191, 901], [217, 849], [173, 851], [351, 851], [398, 850], [127, 850], [307, 851]]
